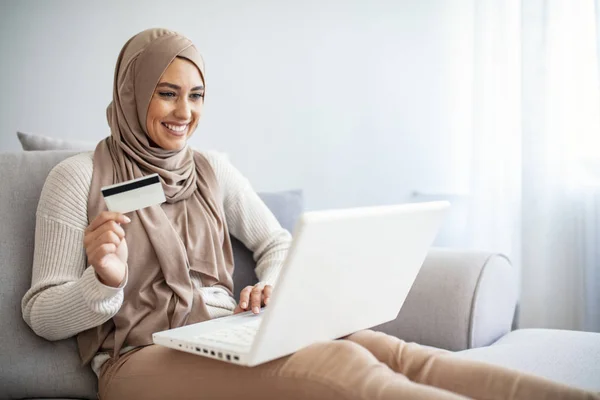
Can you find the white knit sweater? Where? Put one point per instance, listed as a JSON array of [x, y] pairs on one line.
[[66, 296]]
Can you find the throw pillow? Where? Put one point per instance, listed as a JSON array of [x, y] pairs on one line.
[[39, 143]]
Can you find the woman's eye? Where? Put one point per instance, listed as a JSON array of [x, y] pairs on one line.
[[166, 94], [197, 96]]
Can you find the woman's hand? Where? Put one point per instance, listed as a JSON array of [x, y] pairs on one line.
[[106, 248], [253, 297]]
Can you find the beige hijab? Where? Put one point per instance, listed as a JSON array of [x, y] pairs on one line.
[[165, 242]]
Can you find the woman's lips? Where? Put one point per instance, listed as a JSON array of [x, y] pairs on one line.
[[176, 130]]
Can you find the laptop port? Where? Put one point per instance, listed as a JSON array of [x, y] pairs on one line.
[[228, 357], [198, 349], [236, 358], [220, 355], [205, 351], [212, 353]]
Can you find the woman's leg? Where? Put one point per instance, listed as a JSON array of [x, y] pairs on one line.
[[474, 379], [333, 370]]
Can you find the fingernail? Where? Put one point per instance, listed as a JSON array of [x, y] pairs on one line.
[[255, 310], [244, 305], [127, 219], [266, 301]]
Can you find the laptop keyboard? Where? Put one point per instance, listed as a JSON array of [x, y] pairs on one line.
[[240, 335]]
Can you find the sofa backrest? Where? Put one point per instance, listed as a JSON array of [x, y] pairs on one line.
[[31, 366]]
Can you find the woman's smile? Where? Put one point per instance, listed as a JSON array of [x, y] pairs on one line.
[[176, 129]]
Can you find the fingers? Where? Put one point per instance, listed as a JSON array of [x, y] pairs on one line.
[[256, 299], [97, 255], [268, 290], [110, 232], [96, 232], [104, 236], [245, 297], [253, 297], [105, 216]]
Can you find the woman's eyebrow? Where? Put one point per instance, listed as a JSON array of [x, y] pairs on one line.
[[176, 87], [169, 85]]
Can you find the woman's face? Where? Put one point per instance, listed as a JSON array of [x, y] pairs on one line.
[[176, 105]]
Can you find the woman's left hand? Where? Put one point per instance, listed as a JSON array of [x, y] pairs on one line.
[[253, 297]]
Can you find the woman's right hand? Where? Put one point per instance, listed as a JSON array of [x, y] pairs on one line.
[[106, 248]]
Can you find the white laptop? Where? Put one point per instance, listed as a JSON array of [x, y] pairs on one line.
[[346, 270]]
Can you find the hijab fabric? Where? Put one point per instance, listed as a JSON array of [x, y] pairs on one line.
[[165, 242]]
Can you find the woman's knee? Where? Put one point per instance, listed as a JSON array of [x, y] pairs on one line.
[[341, 366], [330, 358], [343, 349]]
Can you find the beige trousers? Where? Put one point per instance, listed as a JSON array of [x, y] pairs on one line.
[[366, 365]]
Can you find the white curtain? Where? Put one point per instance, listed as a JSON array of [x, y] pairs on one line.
[[535, 149]]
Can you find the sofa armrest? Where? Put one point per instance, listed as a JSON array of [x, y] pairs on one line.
[[460, 300]]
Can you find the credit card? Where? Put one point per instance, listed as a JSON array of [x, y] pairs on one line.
[[134, 195]]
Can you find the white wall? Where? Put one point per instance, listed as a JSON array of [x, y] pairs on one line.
[[356, 102]]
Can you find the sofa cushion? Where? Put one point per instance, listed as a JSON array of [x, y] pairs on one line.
[[287, 207], [564, 356], [31, 142], [30, 366], [460, 299]]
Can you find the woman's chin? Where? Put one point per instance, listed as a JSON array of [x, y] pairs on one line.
[[169, 141], [173, 145]]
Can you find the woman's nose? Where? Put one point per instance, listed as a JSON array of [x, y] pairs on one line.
[[183, 110]]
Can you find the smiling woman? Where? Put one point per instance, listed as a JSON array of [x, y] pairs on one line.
[[176, 105], [171, 265]]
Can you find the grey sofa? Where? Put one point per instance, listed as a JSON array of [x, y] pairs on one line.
[[461, 301]]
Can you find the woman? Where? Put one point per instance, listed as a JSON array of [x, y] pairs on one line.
[[117, 279]]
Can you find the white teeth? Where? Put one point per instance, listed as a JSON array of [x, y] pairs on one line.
[[176, 128]]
